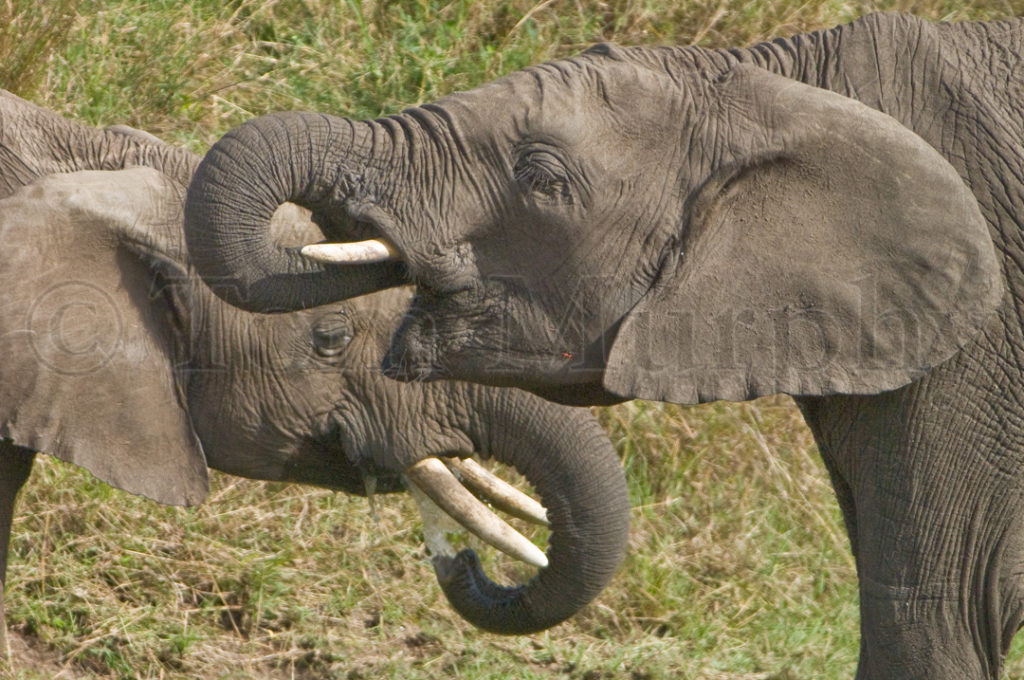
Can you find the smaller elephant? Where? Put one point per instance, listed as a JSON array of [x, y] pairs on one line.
[[118, 358]]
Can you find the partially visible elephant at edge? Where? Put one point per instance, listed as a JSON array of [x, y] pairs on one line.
[[838, 216], [118, 358]]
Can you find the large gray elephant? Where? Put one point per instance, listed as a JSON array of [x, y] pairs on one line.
[[838, 216], [117, 357]]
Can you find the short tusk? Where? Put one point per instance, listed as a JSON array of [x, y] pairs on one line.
[[360, 252], [500, 493], [437, 482]]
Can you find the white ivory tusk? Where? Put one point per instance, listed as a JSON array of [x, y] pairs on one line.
[[436, 523], [435, 480], [500, 493], [360, 252]]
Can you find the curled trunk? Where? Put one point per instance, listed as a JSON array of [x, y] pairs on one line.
[[572, 465], [317, 161]]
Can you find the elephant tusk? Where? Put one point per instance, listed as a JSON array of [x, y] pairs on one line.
[[434, 479], [436, 524], [360, 252], [500, 493]]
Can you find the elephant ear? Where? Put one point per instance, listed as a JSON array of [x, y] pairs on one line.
[[832, 251], [88, 331]]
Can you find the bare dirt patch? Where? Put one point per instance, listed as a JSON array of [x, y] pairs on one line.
[[32, 658]]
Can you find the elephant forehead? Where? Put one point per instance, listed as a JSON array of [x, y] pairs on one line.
[[565, 98]]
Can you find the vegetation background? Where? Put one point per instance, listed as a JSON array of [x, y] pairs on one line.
[[739, 567]]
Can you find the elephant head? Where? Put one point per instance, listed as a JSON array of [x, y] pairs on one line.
[[118, 358], [653, 223]]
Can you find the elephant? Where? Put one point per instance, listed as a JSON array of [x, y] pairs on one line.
[[837, 216], [119, 359]]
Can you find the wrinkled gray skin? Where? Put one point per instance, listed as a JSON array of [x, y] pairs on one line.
[[118, 358], [837, 216]]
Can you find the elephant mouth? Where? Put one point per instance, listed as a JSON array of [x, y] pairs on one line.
[[323, 461], [468, 329]]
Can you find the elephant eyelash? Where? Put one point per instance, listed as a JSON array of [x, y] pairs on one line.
[[534, 173]]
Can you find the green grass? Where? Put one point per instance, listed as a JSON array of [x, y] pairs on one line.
[[739, 566]]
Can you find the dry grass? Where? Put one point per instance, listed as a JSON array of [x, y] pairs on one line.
[[739, 567]]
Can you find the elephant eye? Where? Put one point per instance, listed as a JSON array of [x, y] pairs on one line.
[[542, 174], [331, 334]]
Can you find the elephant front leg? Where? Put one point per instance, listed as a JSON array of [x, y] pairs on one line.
[[940, 588], [15, 467], [916, 623], [927, 631], [938, 536]]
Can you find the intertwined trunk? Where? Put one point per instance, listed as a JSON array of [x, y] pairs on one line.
[[323, 163], [572, 465]]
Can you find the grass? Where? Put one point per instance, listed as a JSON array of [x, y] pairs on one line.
[[739, 566], [738, 569]]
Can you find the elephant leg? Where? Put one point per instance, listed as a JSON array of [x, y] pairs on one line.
[[845, 498], [15, 467], [933, 501], [933, 595], [940, 587]]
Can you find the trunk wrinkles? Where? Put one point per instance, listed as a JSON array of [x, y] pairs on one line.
[[316, 161]]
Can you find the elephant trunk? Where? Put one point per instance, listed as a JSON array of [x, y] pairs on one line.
[[573, 467], [317, 161]]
